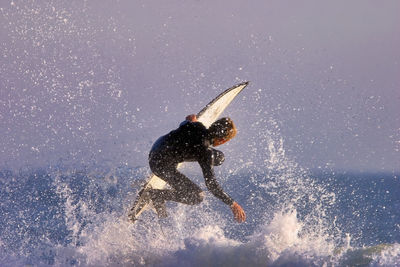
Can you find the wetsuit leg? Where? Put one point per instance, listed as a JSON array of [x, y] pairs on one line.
[[184, 190]]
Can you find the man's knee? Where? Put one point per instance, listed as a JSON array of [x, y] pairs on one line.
[[198, 198]]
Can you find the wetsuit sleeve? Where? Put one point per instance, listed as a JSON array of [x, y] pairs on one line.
[[211, 182]]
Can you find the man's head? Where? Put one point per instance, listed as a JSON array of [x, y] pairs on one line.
[[222, 131]]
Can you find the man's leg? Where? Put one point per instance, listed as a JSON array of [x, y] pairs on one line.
[[184, 190]]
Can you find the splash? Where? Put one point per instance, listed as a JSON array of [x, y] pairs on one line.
[[291, 221], [204, 235]]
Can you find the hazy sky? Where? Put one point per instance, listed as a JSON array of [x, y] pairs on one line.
[[99, 81]]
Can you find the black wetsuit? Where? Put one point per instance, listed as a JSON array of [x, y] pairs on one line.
[[190, 142]]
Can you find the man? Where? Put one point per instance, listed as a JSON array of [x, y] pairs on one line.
[[191, 142]]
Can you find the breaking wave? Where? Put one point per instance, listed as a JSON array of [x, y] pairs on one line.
[[65, 217]]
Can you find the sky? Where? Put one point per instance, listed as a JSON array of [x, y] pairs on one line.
[[96, 82]]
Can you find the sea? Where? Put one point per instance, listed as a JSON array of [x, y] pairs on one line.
[[77, 216], [78, 81]]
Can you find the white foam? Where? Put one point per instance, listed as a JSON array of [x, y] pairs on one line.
[[118, 241], [390, 256]]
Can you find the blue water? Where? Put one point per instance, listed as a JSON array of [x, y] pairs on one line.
[[87, 94], [59, 216]]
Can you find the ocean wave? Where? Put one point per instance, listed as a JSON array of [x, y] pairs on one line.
[[67, 216]]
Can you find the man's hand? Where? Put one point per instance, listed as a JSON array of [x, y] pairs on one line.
[[238, 212], [191, 117]]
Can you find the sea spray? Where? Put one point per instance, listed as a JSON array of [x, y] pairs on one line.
[[282, 233], [287, 217], [291, 217], [387, 255], [78, 217]]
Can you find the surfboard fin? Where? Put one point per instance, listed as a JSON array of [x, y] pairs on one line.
[[142, 200]]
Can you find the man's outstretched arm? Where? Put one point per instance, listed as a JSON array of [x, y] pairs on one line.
[[217, 191]]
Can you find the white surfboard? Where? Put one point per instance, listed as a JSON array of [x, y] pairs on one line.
[[207, 116]]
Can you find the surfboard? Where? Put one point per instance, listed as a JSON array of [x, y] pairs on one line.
[[207, 116]]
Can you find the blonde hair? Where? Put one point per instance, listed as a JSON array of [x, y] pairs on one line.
[[223, 129]]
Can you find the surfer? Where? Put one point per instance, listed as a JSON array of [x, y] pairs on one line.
[[191, 142]]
